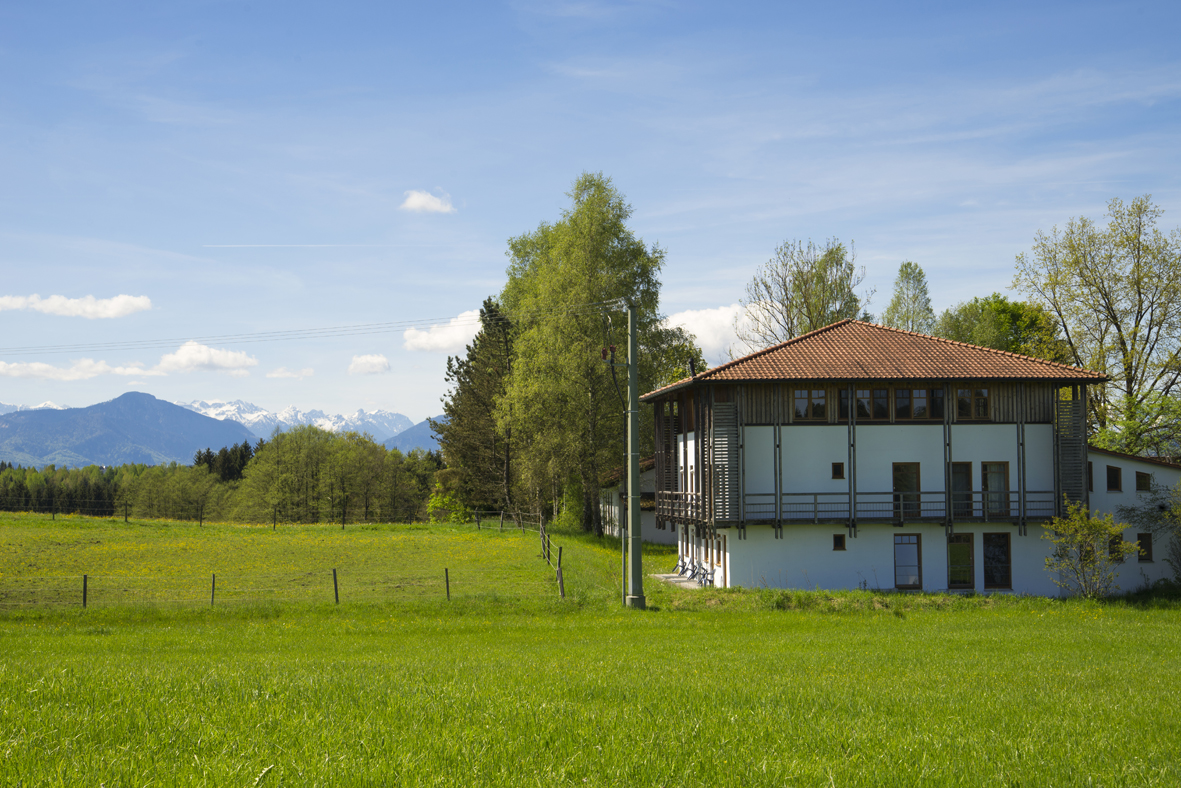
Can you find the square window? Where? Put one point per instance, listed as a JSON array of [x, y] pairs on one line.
[[838, 541], [920, 404], [843, 405], [864, 410], [963, 403], [881, 403], [1115, 478], [961, 566], [981, 402], [1145, 541], [818, 410], [809, 405], [936, 403], [838, 470], [1143, 482], [998, 562]]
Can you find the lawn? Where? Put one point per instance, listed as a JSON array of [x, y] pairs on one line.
[[510, 687]]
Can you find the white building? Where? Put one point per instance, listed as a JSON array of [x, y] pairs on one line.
[[864, 456]]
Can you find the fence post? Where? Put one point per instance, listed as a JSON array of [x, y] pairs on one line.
[[213, 589], [477, 521], [502, 519], [275, 522], [83, 590], [447, 582], [125, 511], [201, 516], [559, 558], [561, 584], [335, 587]]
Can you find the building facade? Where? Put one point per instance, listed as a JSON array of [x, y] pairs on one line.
[[864, 456]]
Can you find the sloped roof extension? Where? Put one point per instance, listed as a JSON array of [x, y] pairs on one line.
[[854, 350]]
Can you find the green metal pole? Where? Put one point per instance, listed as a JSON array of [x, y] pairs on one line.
[[635, 596]]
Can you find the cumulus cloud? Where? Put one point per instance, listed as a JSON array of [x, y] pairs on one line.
[[425, 202], [369, 365], [714, 329], [283, 372], [193, 356], [80, 369], [87, 306], [448, 338]]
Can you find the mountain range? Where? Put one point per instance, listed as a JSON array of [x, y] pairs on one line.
[[381, 424], [133, 428], [6, 408], [420, 436]]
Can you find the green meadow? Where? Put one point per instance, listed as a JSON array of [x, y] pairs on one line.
[[507, 684]]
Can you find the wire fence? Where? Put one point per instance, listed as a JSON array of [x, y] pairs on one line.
[[311, 586]]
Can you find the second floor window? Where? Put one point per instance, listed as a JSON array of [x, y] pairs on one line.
[[972, 403], [810, 405]]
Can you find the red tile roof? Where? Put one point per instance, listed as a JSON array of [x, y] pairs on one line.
[[853, 350]]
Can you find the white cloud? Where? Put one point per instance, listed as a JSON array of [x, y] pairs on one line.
[[425, 202], [283, 372], [81, 369], [369, 365], [449, 338], [714, 329], [194, 356], [87, 306]]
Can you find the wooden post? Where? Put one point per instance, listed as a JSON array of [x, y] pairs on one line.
[[335, 587], [447, 583], [501, 519], [213, 589], [561, 585], [125, 511], [275, 522], [559, 558], [201, 516], [83, 590], [477, 521]]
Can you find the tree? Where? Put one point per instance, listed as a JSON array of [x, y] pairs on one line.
[[802, 288], [910, 307], [1086, 551], [478, 450], [1115, 293], [1012, 326], [1158, 512], [567, 285]]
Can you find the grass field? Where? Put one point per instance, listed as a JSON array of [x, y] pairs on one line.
[[505, 686]]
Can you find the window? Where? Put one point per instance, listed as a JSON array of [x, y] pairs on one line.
[[936, 403], [998, 566], [1115, 478], [1113, 549], [972, 403], [994, 482], [906, 491], [1090, 476], [902, 403], [961, 569], [881, 403], [838, 541], [810, 405], [908, 561], [863, 404], [838, 470], [961, 489], [843, 404], [1143, 482], [919, 407], [1145, 541]]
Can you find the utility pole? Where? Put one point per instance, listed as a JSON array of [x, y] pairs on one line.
[[635, 596]]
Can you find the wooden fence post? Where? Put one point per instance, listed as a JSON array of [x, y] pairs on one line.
[[447, 582], [477, 521], [275, 522], [83, 590], [502, 519], [213, 589], [335, 587], [125, 511], [559, 557], [561, 585]]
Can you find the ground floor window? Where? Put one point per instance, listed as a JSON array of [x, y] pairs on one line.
[[908, 561], [998, 561], [1145, 541], [961, 568]]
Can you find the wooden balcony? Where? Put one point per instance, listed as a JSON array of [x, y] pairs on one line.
[[931, 507]]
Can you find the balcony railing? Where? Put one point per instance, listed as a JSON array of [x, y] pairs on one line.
[[976, 506]]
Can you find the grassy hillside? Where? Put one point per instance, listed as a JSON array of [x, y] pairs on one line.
[[504, 687]]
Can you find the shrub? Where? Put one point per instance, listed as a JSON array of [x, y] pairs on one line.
[[1086, 552]]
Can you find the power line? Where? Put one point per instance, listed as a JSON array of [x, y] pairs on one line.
[[326, 332]]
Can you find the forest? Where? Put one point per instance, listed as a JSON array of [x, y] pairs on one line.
[[305, 475]]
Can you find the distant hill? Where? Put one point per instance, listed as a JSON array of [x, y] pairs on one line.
[[381, 424], [132, 428], [420, 436]]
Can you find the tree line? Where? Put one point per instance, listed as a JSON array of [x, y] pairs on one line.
[[305, 475]]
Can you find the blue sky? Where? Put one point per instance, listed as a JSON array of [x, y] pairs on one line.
[[238, 167]]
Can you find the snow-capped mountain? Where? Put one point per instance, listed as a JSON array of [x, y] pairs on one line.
[[381, 424], [47, 405]]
